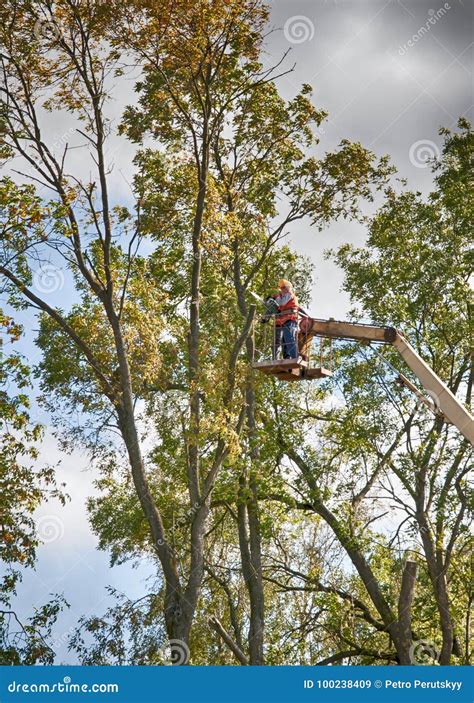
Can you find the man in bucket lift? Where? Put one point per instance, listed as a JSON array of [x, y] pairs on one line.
[[286, 321]]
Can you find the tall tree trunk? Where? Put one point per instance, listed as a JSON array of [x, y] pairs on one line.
[[405, 601], [251, 570], [437, 574], [434, 556], [194, 335], [125, 410], [193, 586], [248, 510], [257, 596]]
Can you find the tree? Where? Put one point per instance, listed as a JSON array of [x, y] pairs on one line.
[[418, 276], [387, 477], [137, 332], [381, 453], [23, 487]]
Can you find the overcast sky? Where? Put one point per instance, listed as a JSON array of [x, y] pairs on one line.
[[389, 74]]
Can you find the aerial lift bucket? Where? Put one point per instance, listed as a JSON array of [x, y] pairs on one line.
[[301, 368]]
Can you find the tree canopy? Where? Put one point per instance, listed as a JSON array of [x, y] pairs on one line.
[[288, 523]]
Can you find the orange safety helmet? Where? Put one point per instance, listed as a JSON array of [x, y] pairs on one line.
[[283, 283]]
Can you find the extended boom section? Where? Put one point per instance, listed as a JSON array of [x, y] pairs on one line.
[[444, 400], [348, 330]]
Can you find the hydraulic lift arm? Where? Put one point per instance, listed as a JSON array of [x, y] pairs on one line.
[[452, 409]]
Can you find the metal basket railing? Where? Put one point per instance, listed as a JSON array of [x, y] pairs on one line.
[[268, 343]]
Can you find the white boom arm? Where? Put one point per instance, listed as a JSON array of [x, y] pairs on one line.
[[445, 401]]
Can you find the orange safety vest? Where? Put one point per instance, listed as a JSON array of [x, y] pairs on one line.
[[288, 311]]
